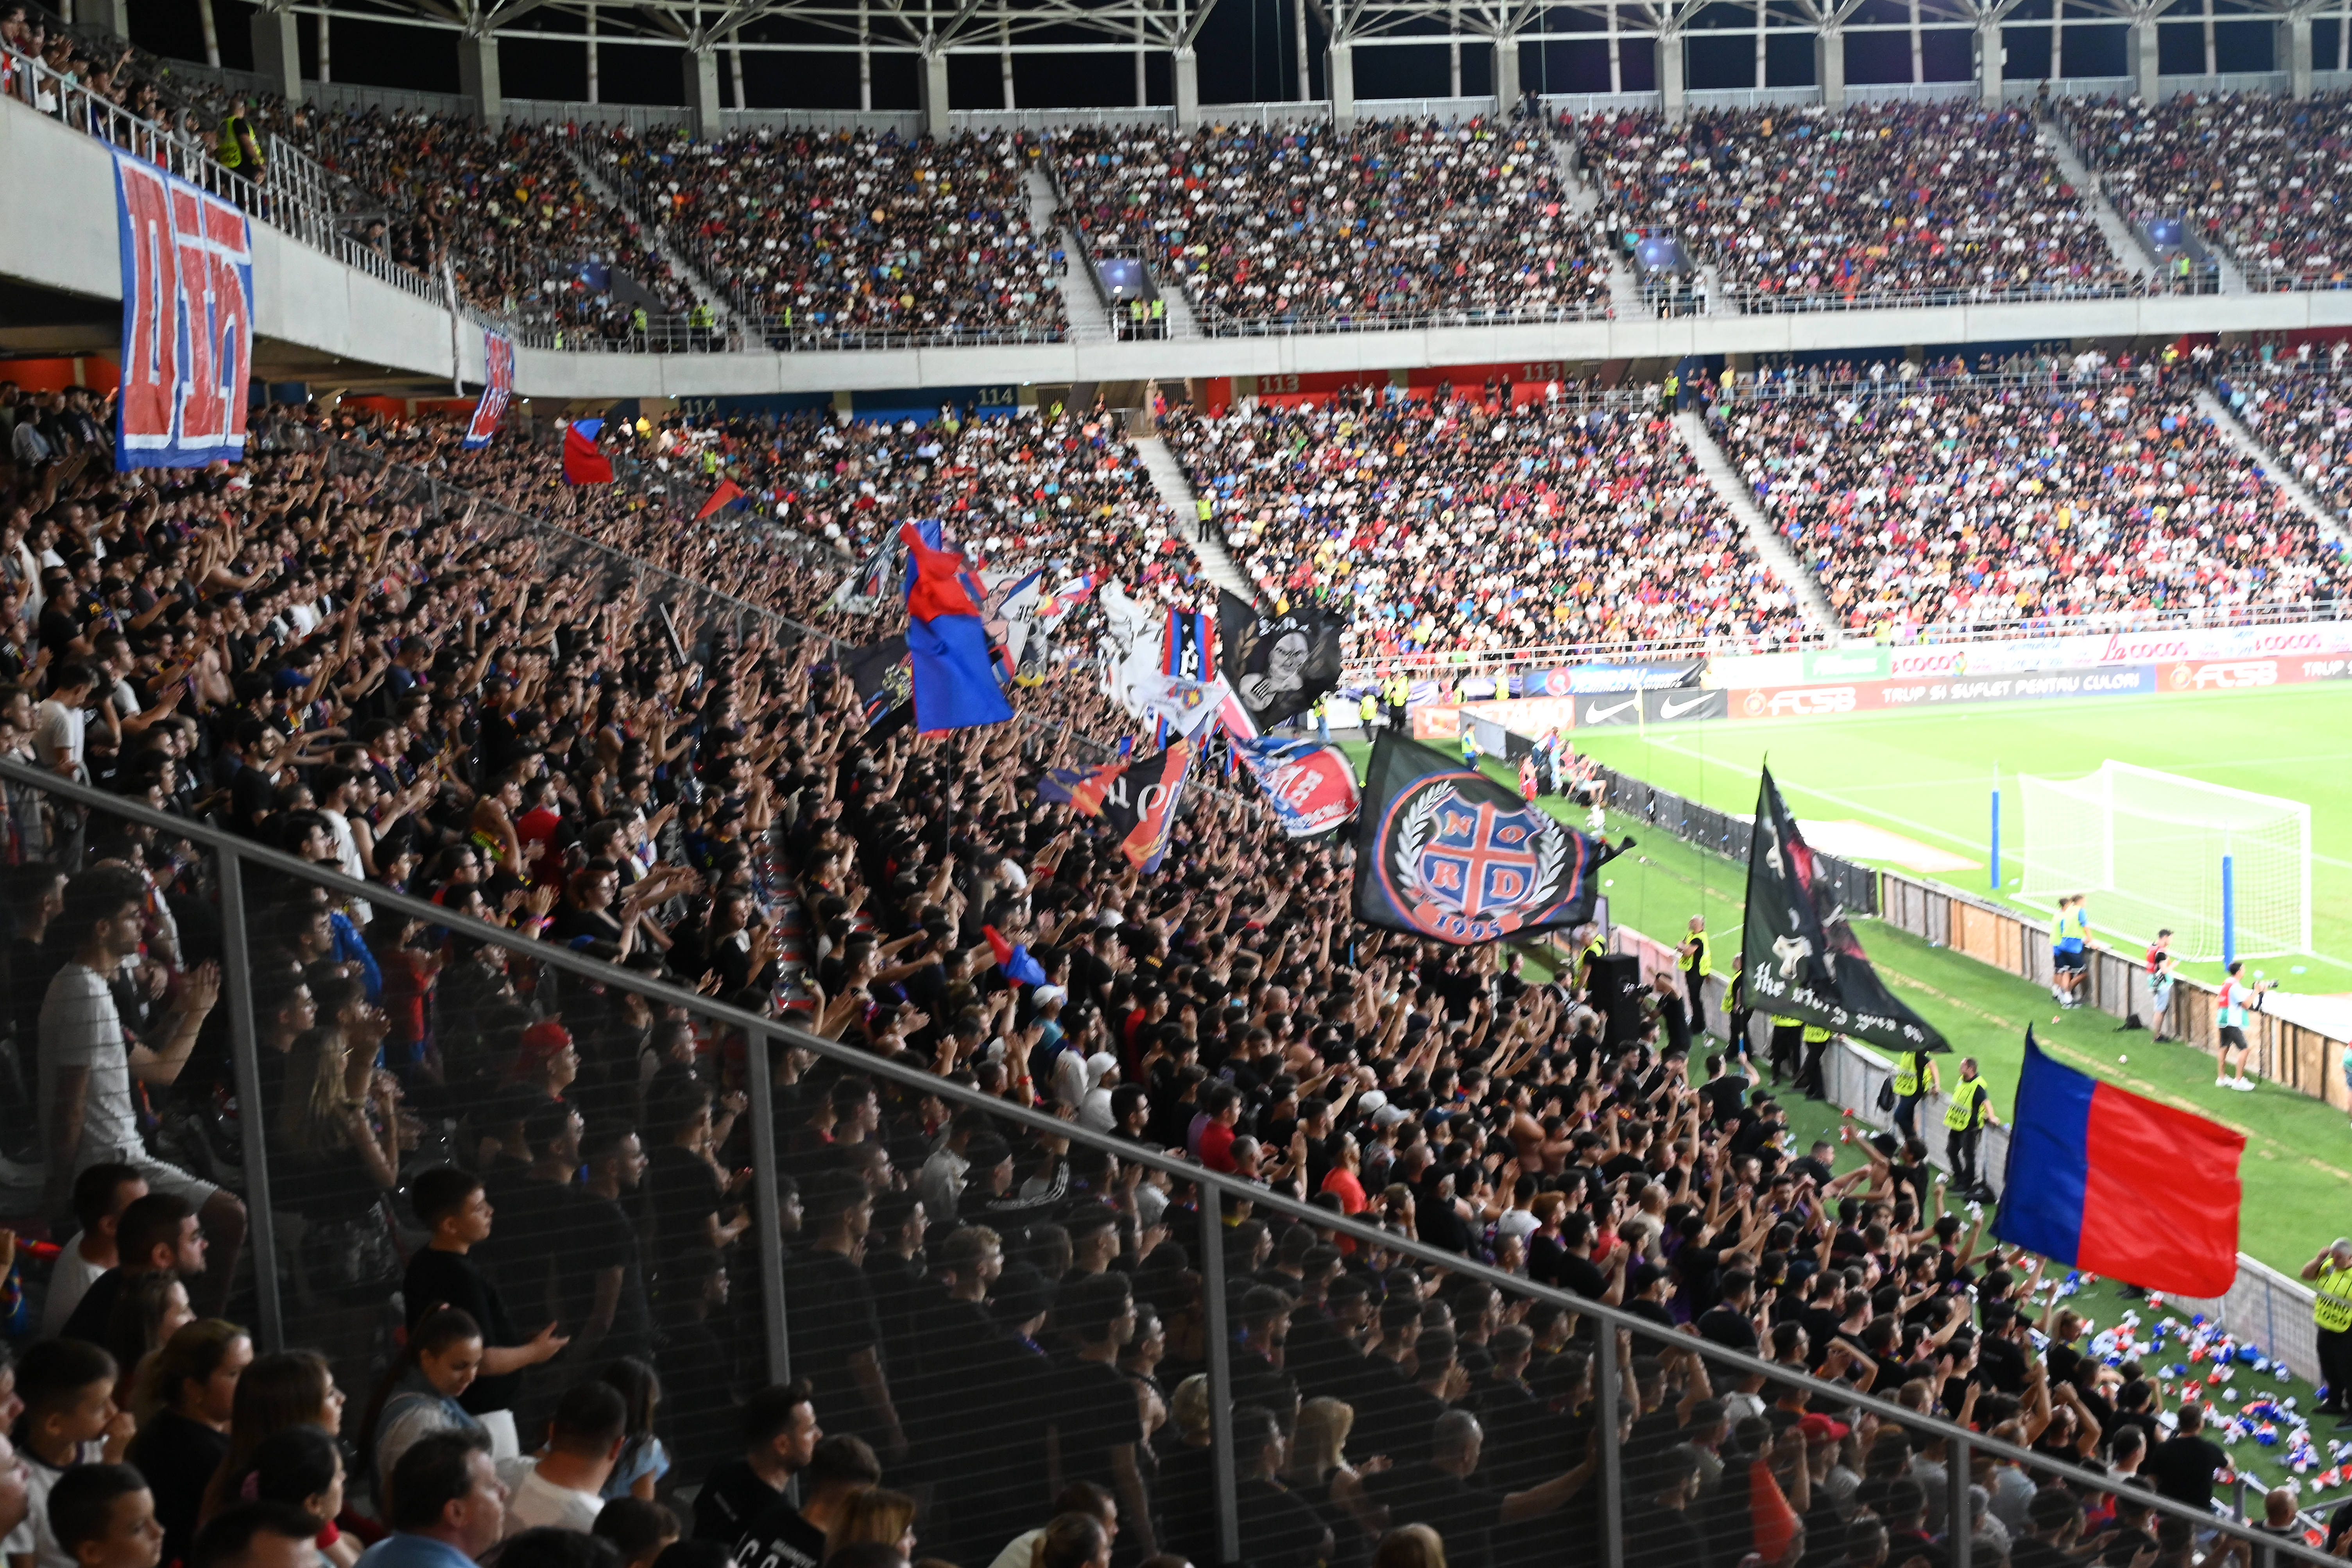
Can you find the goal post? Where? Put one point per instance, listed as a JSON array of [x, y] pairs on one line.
[[2148, 847]]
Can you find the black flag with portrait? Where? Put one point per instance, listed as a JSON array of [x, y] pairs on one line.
[[1278, 663], [1800, 958]]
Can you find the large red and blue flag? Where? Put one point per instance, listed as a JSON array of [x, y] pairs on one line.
[[187, 321], [582, 463], [2114, 1184], [947, 642]]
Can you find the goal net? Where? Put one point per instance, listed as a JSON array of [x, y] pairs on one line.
[[2147, 847]]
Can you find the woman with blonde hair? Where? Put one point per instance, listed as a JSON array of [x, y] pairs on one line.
[[1319, 1473], [339, 1126], [875, 1515]]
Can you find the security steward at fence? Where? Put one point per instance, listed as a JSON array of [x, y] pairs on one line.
[[238, 147], [1808, 1075], [1695, 959], [1396, 692], [2330, 1274], [1788, 1045], [1965, 1120], [1915, 1079]]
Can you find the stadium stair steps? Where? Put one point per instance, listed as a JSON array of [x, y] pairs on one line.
[[1769, 544], [1167, 478], [1081, 305], [1181, 322], [2332, 523], [704, 290], [1625, 301], [2128, 252], [1718, 300]]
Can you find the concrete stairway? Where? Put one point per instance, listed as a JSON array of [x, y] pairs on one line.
[[704, 290], [1080, 304], [1625, 299], [2331, 522], [2128, 252], [1167, 478], [1181, 322], [1775, 549]]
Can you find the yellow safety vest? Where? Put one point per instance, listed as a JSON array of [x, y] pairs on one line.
[[1968, 1102], [1368, 710], [1781, 1022], [2331, 1308], [1815, 1034], [1701, 960], [1907, 1072]]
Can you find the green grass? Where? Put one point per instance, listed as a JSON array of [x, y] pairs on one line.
[[1928, 774]]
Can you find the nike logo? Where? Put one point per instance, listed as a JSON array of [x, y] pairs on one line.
[[1598, 715], [1669, 708]]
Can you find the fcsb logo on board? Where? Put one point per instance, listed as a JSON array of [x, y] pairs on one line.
[[1801, 702], [2238, 675]]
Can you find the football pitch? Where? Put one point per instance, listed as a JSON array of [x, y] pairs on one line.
[[1912, 790]]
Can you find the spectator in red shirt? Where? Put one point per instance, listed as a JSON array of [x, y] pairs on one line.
[[1212, 1136]]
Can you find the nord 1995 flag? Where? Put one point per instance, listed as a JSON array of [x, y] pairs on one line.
[[1801, 958], [2111, 1182], [1444, 852]]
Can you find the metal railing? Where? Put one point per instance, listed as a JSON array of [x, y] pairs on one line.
[[793, 1334]]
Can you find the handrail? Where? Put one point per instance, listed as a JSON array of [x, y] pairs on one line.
[[235, 852]]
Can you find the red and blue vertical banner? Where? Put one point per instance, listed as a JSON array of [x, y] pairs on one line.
[[2116, 1184], [1189, 652], [187, 321], [498, 387], [955, 685]]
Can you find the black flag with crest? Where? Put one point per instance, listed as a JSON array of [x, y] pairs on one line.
[[1800, 958], [1444, 852]]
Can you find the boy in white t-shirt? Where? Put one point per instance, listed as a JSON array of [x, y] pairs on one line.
[[71, 1418], [562, 1485]]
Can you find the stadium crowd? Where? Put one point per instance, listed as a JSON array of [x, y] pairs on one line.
[[1298, 224], [2254, 174], [1803, 209], [2097, 491], [507, 209], [2299, 405], [554, 1175], [1465, 522], [854, 232]]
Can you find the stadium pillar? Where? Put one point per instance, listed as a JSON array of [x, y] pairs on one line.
[[1343, 85], [1188, 88], [2139, 56], [278, 50], [1829, 67], [2294, 43], [1988, 62], [1671, 101], [1507, 73], [114, 16], [934, 88], [478, 74], [701, 66]]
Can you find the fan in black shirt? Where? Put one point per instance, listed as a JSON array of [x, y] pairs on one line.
[[784, 1536], [1439, 1494], [780, 1435], [441, 1275]]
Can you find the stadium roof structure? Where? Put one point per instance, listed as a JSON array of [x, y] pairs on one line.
[[934, 29]]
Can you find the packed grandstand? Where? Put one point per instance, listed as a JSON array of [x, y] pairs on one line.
[[525, 1044]]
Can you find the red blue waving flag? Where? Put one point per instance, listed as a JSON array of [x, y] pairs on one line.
[[582, 463], [2116, 1184], [947, 642]]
